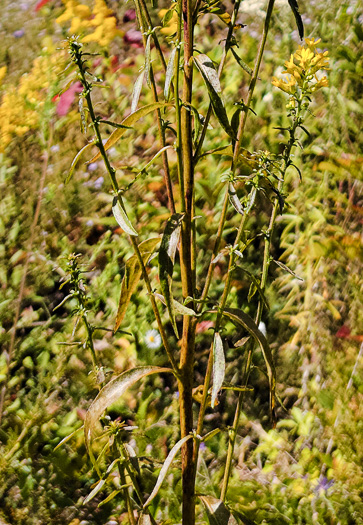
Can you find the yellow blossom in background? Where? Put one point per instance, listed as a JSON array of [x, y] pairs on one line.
[[3, 71], [301, 69], [21, 106], [100, 20], [172, 25]]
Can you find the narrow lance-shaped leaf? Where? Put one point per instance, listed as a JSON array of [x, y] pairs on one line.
[[169, 73], [136, 91], [165, 468], [287, 269], [132, 276], [128, 122], [76, 159], [241, 63], [167, 252], [109, 394], [240, 318], [236, 203], [211, 80], [219, 367], [95, 491], [82, 113], [217, 512], [148, 60], [295, 9], [121, 217]]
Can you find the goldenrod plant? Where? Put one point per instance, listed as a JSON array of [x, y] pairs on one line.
[[180, 263]]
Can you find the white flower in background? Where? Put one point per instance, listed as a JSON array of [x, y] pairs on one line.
[[152, 339]]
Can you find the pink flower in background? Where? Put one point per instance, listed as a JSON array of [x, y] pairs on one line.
[[66, 99], [40, 4]]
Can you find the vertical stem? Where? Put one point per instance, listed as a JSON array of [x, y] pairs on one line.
[[188, 338]]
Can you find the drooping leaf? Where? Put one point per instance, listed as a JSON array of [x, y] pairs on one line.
[[166, 259], [169, 73], [95, 491], [160, 152], [136, 91], [132, 276], [109, 394], [236, 203], [287, 269], [219, 367], [217, 512], [76, 159], [128, 122], [148, 60], [211, 80], [241, 63], [165, 468], [179, 308], [110, 497], [295, 9], [121, 217], [240, 318]]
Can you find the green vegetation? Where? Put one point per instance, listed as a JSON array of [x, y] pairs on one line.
[[181, 263]]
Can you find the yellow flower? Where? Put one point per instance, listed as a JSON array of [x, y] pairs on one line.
[[3, 71], [302, 67]]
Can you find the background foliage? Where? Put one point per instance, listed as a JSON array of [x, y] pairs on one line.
[[308, 469]]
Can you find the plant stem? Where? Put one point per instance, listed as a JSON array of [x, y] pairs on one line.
[[188, 337]]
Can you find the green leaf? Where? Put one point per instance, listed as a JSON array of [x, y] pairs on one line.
[[111, 393], [166, 259], [219, 367], [287, 269], [121, 217], [76, 159], [295, 9], [169, 73], [128, 122], [165, 468], [240, 62], [179, 308], [67, 438], [95, 491], [132, 276], [217, 512], [148, 60], [110, 497], [136, 91], [240, 318], [211, 80], [236, 203]]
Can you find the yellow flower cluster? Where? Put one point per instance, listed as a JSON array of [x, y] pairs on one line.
[[100, 20], [302, 68], [21, 105]]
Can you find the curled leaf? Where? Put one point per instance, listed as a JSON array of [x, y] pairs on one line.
[[236, 203], [295, 9], [219, 367], [76, 159], [121, 217], [109, 394], [165, 468], [211, 80], [169, 73], [136, 91]]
